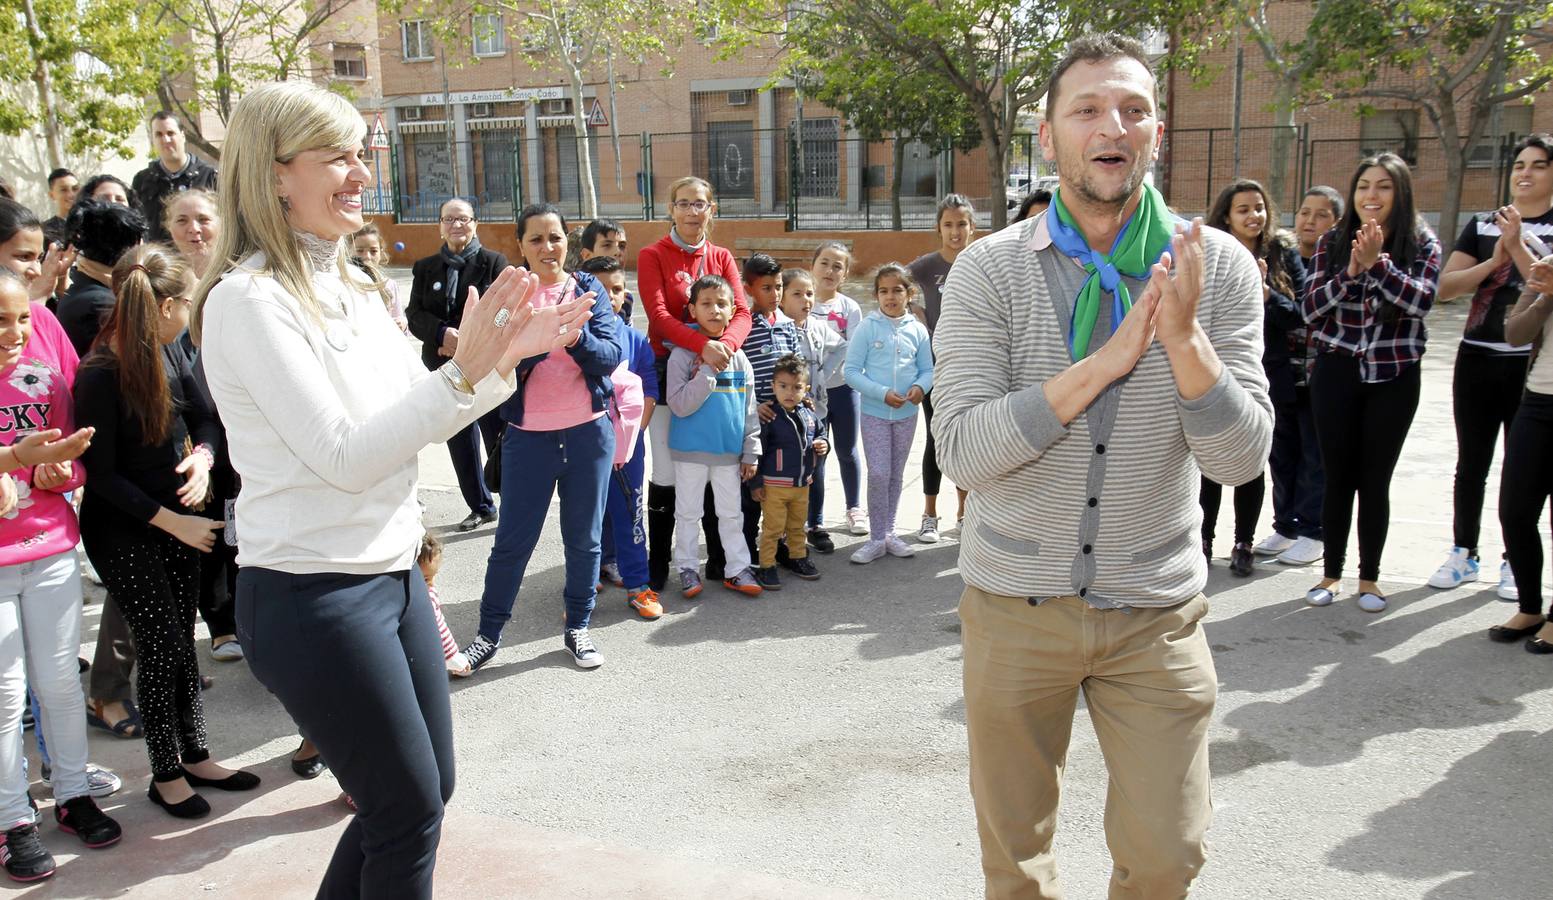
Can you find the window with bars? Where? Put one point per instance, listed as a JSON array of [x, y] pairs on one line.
[[1510, 120], [417, 40], [1390, 129]]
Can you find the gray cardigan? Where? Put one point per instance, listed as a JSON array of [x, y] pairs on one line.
[[1105, 508]]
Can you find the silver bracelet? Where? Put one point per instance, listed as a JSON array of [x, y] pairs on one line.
[[456, 378]]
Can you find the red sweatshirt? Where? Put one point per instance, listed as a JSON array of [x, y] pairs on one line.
[[664, 274]]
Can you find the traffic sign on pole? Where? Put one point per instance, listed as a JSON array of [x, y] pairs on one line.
[[596, 114], [379, 135]]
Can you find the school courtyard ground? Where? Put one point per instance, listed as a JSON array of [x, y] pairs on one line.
[[811, 743]]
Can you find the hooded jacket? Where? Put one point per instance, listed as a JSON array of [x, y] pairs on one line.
[[884, 355]]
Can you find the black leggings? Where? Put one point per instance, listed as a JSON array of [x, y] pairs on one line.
[[932, 475], [154, 578], [1524, 485], [1361, 427], [1248, 507], [1485, 391]]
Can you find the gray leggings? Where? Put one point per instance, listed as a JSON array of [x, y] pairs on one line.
[[886, 444]]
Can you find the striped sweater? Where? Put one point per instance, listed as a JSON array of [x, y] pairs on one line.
[[1106, 507]]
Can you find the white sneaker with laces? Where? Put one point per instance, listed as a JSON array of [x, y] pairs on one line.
[[869, 552], [857, 520], [894, 546], [1507, 589], [1303, 552], [928, 533], [1272, 545], [1458, 568]]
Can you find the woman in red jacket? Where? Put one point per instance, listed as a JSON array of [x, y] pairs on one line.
[[664, 272]]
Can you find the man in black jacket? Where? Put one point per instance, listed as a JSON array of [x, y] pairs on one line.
[[437, 295], [174, 170]]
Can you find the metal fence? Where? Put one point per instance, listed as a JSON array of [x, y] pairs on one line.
[[822, 180], [819, 180]]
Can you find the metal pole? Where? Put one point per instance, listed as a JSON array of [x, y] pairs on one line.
[[1240, 80], [1208, 179]]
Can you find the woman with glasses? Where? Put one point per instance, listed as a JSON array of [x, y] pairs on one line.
[[665, 270], [441, 284]]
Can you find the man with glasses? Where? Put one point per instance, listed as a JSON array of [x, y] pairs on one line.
[[441, 285]]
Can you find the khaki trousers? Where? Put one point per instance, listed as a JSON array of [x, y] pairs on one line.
[[783, 512], [1148, 680]]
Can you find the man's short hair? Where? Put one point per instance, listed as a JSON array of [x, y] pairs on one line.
[[1331, 195], [601, 265], [58, 174], [596, 229], [161, 114], [1096, 48], [760, 265], [1541, 140]]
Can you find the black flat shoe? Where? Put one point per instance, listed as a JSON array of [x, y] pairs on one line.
[[237, 781], [193, 808], [1539, 646], [1503, 634], [311, 767]]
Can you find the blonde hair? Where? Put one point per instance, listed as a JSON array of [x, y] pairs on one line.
[[190, 194], [272, 124], [692, 181]]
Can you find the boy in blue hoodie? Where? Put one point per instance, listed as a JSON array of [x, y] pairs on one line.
[[791, 446], [624, 540], [714, 437], [890, 364]]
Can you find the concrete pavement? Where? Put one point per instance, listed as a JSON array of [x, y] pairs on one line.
[[810, 744]]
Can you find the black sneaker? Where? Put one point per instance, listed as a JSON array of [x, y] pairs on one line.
[[470, 522], [804, 569], [580, 646], [479, 652], [768, 578], [820, 540], [23, 854], [81, 817], [1241, 562]]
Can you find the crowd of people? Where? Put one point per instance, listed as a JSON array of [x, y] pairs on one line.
[[210, 392]]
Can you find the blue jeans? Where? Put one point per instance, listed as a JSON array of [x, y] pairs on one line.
[[356, 661], [1298, 479], [842, 420], [624, 537], [574, 463]]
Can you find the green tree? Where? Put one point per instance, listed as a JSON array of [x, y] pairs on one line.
[[79, 66], [219, 49], [1455, 60], [998, 54], [880, 98]]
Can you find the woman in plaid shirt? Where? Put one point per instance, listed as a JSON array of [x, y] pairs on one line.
[[1372, 281]]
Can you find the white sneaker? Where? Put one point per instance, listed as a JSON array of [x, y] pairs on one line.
[[1272, 545], [894, 546], [1303, 552], [928, 533], [1507, 589], [857, 520], [868, 552], [1458, 568]]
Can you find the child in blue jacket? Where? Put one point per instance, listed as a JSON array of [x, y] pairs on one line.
[[624, 540], [714, 438], [791, 444], [890, 364]]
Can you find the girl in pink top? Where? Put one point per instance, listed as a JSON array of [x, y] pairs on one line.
[[559, 441], [40, 582]]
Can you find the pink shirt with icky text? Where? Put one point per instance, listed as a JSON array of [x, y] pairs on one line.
[[34, 396]]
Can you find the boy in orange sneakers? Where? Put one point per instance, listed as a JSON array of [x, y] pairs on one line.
[[624, 560], [714, 438]]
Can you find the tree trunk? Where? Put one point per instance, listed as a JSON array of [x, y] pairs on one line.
[[589, 193], [1450, 203], [899, 160], [1279, 176], [42, 80], [995, 137], [614, 115]]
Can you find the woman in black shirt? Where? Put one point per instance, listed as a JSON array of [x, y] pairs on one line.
[[149, 463]]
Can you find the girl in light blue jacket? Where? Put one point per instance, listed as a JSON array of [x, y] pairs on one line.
[[890, 365]]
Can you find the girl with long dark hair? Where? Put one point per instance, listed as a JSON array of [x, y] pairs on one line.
[[1244, 210], [150, 473], [1375, 278]]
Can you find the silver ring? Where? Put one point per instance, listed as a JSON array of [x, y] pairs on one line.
[[502, 318], [563, 330]]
